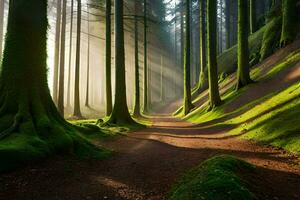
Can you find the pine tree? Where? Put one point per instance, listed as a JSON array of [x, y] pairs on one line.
[[120, 113], [77, 112], [288, 19], [187, 100], [108, 59], [2, 3], [145, 59], [243, 73], [253, 13], [214, 96], [70, 55]]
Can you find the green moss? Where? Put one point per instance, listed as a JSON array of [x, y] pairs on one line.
[[215, 179], [273, 119]]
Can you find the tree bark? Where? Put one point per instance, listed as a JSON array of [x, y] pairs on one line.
[[120, 113], [187, 101], [70, 55], [253, 13], [108, 59], [57, 51], [243, 73], [77, 112], [214, 96], [288, 19], [2, 3], [87, 94], [145, 110], [61, 91], [137, 102]]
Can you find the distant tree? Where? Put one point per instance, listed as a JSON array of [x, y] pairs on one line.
[[57, 51], [70, 55], [120, 113], [145, 58], [253, 16], [137, 102], [202, 83], [243, 73], [2, 3], [228, 22], [108, 59], [61, 85], [77, 112], [187, 99], [288, 19], [87, 93], [214, 96]]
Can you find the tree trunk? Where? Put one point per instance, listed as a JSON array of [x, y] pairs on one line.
[[27, 109], [214, 96], [243, 73], [137, 102], [87, 94], [2, 3], [70, 55], [228, 23], [120, 113], [57, 51], [145, 59], [61, 91], [253, 13], [187, 101], [288, 19], [108, 59], [77, 112]]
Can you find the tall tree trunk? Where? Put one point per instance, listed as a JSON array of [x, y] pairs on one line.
[[145, 58], [108, 59], [120, 113], [70, 55], [77, 112], [288, 19], [137, 102], [243, 73], [87, 94], [187, 100], [2, 3], [253, 13], [214, 96], [182, 36], [27, 109], [228, 8], [57, 51], [61, 91]]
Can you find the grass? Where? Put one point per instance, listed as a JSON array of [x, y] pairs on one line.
[[272, 119], [215, 179]]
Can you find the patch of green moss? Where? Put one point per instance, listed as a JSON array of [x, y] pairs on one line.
[[215, 179]]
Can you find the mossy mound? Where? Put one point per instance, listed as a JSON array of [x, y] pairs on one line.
[[215, 179]]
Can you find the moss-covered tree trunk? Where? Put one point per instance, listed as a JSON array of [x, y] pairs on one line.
[[26, 105], [202, 84], [288, 21], [137, 101], [145, 59], [108, 59], [61, 85], [70, 55], [187, 98], [253, 17], [243, 72], [2, 3], [120, 113], [77, 112], [56, 52], [214, 96]]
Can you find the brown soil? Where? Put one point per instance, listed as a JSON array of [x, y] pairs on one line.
[[148, 162]]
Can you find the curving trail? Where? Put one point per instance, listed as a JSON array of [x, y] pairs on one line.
[[148, 162]]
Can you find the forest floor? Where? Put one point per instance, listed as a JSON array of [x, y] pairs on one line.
[[148, 162]]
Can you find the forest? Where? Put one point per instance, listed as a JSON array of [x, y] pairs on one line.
[[149, 99]]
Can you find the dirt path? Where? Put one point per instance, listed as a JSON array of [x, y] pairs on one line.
[[147, 163]]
